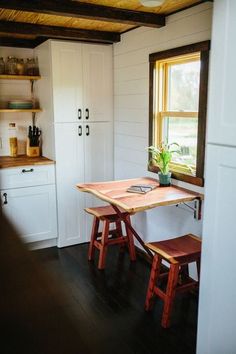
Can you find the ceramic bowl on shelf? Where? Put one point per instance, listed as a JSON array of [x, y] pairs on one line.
[[20, 104]]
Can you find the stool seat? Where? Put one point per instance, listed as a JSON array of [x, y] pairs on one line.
[[103, 212], [178, 249], [108, 236], [178, 252]]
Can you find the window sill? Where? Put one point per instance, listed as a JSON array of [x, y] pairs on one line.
[[197, 181]]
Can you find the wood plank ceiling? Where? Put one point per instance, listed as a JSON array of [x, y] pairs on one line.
[[25, 23]]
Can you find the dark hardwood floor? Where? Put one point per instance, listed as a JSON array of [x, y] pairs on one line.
[[108, 306]]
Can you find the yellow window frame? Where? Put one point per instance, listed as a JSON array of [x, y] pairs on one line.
[[161, 109]]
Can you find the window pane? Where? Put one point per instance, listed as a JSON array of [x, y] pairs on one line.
[[184, 132], [184, 86]]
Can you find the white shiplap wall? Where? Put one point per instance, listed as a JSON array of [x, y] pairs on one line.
[[131, 96]]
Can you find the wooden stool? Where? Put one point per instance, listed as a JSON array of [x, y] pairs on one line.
[[101, 240], [178, 252]]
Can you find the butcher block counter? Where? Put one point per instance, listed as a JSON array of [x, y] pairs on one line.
[[23, 160]]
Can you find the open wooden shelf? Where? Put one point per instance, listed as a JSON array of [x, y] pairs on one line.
[[19, 77], [8, 110]]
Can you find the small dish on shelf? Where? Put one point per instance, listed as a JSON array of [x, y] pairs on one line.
[[20, 104]]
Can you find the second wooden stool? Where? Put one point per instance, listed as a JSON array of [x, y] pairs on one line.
[[101, 240], [178, 252]]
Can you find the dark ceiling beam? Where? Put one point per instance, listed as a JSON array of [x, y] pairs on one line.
[[58, 32], [84, 10], [17, 42]]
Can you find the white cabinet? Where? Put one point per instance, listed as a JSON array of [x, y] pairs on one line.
[[98, 151], [97, 83], [84, 153], [76, 91], [217, 309], [27, 176], [69, 170], [31, 210], [221, 112], [82, 82]]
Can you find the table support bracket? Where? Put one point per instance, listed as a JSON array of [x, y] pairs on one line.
[[197, 208], [136, 235]]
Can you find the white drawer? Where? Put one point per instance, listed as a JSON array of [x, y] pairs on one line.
[[27, 176]]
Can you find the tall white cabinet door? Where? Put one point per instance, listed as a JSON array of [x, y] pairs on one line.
[[69, 172], [98, 152], [32, 211], [67, 79], [98, 162], [217, 310], [98, 90], [221, 112]]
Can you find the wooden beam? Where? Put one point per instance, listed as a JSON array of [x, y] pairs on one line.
[[84, 10], [17, 42], [58, 32]]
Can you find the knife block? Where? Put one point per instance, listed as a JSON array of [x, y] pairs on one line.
[[32, 151]]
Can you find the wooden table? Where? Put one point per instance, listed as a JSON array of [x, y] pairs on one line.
[[115, 193]]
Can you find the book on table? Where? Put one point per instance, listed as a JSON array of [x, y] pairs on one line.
[[141, 188]]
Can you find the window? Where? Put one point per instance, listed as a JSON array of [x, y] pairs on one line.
[[178, 97]]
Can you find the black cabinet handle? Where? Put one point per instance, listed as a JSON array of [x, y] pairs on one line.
[[87, 130], [26, 171], [87, 113], [79, 113], [5, 198], [80, 130]]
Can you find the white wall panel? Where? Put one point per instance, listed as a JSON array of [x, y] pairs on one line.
[[131, 79], [132, 101], [197, 20], [132, 129], [131, 87], [131, 142], [132, 115], [131, 72]]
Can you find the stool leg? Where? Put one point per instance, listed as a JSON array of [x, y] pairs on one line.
[[104, 242], [130, 240], [119, 233], [198, 262], [155, 271], [184, 273], [118, 228], [170, 294], [93, 238]]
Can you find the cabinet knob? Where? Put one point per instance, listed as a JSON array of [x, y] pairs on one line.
[[86, 113], [80, 130], [5, 201], [87, 130], [79, 113], [26, 171]]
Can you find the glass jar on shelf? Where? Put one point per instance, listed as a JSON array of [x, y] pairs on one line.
[[30, 64], [11, 66], [20, 66], [32, 68], [2, 66]]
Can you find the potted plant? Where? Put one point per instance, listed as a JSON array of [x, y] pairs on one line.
[[161, 156]]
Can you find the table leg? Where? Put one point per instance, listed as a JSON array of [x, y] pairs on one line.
[[130, 227]]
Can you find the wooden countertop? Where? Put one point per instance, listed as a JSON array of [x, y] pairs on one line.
[[23, 160]]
